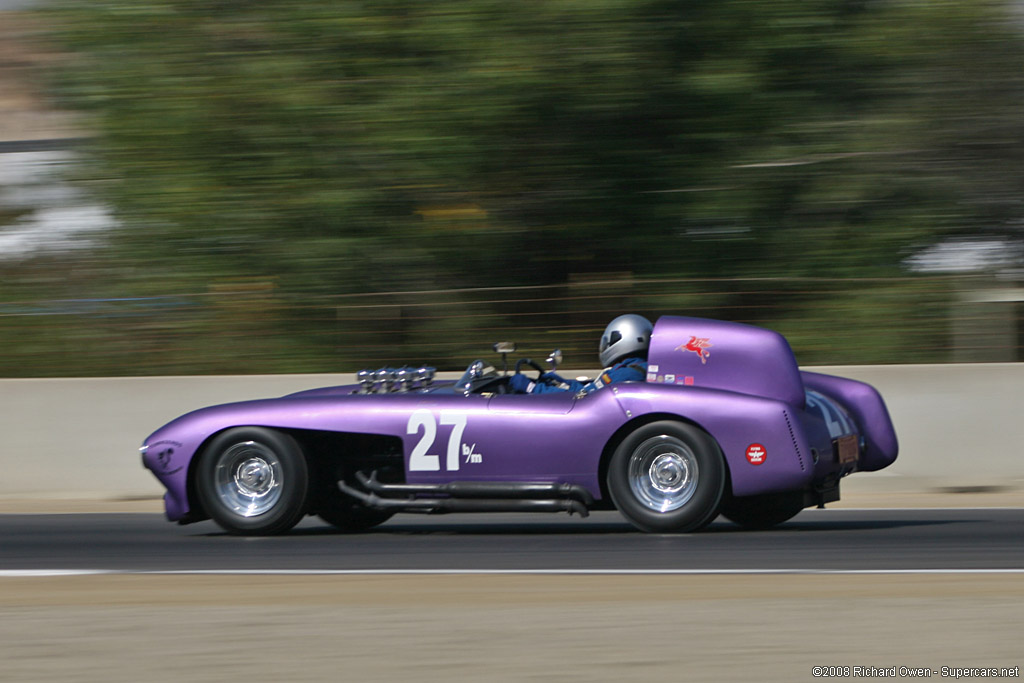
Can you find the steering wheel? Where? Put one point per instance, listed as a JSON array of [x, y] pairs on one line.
[[527, 361]]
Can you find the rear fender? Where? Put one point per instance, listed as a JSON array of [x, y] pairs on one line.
[[763, 442], [866, 406]]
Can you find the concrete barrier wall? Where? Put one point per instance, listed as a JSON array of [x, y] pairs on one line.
[[958, 425]]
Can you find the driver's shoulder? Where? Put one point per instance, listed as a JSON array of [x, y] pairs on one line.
[[630, 364]]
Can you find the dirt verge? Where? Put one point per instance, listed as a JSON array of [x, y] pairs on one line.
[[500, 628]]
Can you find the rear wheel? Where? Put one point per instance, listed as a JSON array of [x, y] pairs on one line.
[[253, 481], [667, 477], [763, 511]]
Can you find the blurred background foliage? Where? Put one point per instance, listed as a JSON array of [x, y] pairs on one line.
[[307, 185]]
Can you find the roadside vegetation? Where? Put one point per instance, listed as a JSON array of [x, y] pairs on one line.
[[289, 177]]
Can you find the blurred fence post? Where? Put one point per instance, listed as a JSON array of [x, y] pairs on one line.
[[985, 321]]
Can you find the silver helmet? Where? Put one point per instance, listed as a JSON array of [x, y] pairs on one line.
[[627, 335]]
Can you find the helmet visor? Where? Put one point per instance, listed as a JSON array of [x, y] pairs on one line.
[[609, 340]]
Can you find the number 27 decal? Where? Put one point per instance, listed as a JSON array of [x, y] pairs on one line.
[[422, 461]]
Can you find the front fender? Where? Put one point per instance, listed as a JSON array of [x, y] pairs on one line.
[[170, 451]]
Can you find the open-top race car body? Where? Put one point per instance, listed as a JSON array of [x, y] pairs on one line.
[[724, 423]]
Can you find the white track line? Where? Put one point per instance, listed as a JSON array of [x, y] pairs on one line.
[[22, 573], [914, 509]]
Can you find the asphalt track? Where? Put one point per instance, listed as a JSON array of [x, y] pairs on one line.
[[509, 598], [848, 540]]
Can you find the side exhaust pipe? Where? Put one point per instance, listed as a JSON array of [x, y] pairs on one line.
[[453, 503]]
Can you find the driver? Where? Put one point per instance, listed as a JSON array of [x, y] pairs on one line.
[[623, 352]]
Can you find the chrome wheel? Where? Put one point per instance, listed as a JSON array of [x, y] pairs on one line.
[[248, 478], [667, 476], [663, 473], [252, 480]]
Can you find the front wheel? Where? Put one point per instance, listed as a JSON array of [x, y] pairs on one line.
[[667, 477], [253, 481]]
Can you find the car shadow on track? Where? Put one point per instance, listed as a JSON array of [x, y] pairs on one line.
[[610, 525], [843, 525]]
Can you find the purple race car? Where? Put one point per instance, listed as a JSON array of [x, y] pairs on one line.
[[724, 423]]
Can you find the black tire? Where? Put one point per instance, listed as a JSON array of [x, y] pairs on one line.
[[763, 511], [347, 514], [667, 477], [253, 481]]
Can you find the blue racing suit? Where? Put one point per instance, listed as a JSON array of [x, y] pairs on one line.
[[628, 370]]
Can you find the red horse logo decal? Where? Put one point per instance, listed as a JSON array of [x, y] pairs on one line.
[[700, 346]]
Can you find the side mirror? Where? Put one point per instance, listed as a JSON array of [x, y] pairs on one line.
[[504, 348], [554, 359]]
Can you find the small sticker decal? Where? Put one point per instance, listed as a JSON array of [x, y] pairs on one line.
[[699, 346], [670, 379], [756, 454], [651, 376], [653, 368], [688, 381], [164, 458]]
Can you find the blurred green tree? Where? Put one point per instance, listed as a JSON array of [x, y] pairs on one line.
[[390, 144], [329, 147]]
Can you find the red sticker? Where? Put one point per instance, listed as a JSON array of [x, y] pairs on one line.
[[756, 454], [699, 346]]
